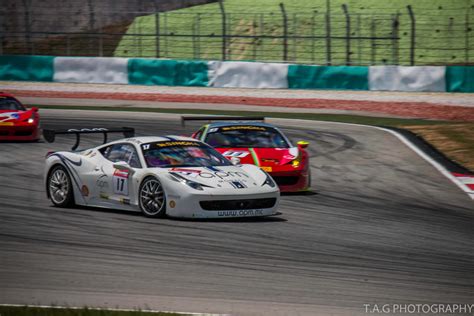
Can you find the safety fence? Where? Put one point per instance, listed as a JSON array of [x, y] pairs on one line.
[[340, 35], [148, 71]]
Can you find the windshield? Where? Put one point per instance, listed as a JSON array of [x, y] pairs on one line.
[[167, 154], [246, 136], [9, 103]]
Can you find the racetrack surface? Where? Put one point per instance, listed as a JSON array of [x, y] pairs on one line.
[[382, 226]]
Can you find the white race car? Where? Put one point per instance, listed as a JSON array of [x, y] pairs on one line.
[[172, 175]]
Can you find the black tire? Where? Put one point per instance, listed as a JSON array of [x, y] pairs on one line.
[[152, 198], [59, 187]]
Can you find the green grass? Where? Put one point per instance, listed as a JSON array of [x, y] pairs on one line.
[[441, 36], [37, 311]]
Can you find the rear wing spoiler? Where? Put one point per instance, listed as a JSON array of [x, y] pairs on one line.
[[220, 118], [50, 134]]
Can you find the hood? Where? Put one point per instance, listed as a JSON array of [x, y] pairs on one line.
[[261, 156], [217, 177], [14, 116]]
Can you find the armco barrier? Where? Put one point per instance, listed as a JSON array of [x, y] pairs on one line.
[[242, 74], [91, 70], [328, 77], [403, 78], [26, 68], [150, 71], [167, 72]]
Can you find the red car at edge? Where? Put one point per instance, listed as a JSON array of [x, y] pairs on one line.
[[18, 123]]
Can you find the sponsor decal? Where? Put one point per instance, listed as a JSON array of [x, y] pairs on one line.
[[121, 173], [212, 168], [102, 184], [267, 169], [9, 116], [85, 190], [185, 170], [237, 154], [125, 201], [134, 140], [237, 184], [243, 127], [90, 153], [172, 204], [293, 153], [104, 196], [275, 161], [256, 161], [96, 129], [240, 213], [223, 175], [177, 143]]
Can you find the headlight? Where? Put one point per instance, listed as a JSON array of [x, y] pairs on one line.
[[189, 183], [269, 181], [297, 161], [32, 118]]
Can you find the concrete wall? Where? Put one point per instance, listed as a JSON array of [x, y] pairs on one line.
[[72, 16]]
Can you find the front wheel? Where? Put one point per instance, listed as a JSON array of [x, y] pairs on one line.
[[152, 198], [60, 187]]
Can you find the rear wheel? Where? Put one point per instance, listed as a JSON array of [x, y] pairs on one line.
[[152, 198], [60, 187]]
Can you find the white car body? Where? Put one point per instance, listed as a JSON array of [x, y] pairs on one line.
[[99, 182]]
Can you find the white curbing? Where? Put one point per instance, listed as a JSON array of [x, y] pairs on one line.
[[91, 70], [430, 160]]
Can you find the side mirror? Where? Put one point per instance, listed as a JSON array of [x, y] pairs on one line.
[[235, 161], [35, 109], [302, 144], [122, 165]]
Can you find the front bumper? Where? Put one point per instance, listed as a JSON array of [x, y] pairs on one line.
[[19, 132], [292, 181], [188, 204]]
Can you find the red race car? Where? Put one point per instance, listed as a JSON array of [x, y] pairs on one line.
[[17, 122], [243, 140]]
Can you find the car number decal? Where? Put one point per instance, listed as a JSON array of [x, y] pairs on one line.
[[120, 182]]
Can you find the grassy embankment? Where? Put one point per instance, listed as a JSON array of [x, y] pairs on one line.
[[442, 31], [40, 311], [454, 139]]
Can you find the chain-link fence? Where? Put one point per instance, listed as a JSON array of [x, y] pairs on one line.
[[404, 37]]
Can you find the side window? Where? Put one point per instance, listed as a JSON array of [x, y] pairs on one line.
[[122, 152], [198, 134]]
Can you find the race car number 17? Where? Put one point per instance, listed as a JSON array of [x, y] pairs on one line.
[[120, 182]]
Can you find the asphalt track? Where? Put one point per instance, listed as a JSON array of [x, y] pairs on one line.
[[382, 226]]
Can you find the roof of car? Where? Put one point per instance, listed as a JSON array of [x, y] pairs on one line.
[[239, 123], [4, 94], [150, 139]]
